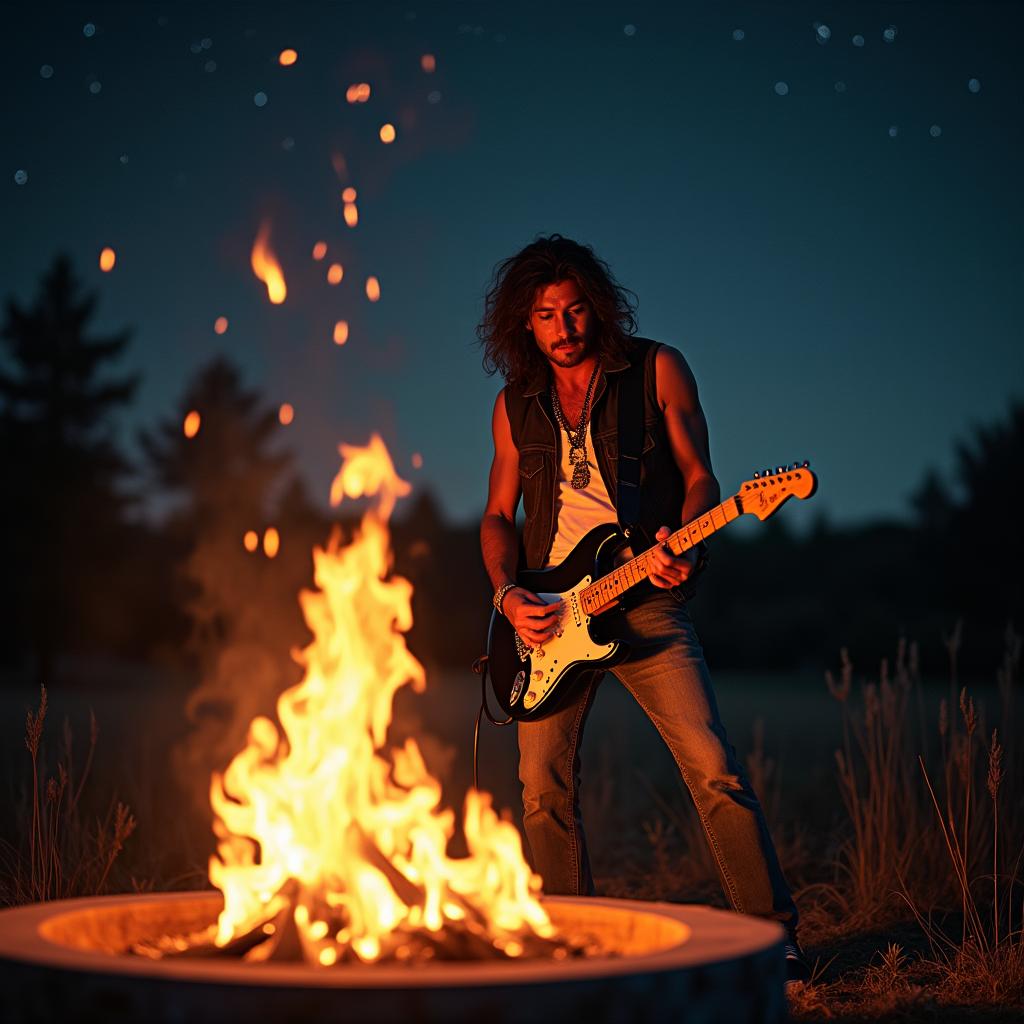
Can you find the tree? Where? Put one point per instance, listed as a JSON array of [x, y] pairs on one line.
[[65, 508], [229, 482]]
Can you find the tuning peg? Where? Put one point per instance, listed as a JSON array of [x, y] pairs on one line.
[[780, 469], [767, 472], [805, 464], [757, 476]]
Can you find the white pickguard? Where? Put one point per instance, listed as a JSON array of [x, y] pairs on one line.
[[547, 665]]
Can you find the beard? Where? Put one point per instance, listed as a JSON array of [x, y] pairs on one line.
[[570, 356]]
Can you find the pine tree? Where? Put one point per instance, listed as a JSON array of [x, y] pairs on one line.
[[64, 474]]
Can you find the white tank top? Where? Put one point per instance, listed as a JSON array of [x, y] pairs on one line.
[[578, 512]]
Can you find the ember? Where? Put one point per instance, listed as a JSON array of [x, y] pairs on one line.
[[331, 849]]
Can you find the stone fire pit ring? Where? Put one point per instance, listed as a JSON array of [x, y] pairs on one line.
[[68, 961]]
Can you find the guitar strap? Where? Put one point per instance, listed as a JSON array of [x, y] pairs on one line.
[[631, 439]]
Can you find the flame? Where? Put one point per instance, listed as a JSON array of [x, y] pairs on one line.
[[387, 133], [319, 250], [373, 289], [220, 325], [351, 214], [287, 57], [107, 259], [341, 332], [266, 267], [191, 424], [317, 823], [251, 540]]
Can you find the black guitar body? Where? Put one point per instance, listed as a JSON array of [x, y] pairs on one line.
[[537, 687]]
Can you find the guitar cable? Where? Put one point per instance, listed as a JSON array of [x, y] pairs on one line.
[[480, 668]]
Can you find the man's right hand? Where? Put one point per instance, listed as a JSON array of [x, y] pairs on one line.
[[533, 619]]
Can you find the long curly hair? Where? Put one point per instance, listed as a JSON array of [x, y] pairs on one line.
[[509, 348]]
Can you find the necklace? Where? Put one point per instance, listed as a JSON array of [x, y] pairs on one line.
[[577, 437]]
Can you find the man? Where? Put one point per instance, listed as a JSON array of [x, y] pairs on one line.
[[560, 330]]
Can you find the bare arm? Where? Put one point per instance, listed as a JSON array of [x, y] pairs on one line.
[[498, 526], [534, 620], [687, 431]]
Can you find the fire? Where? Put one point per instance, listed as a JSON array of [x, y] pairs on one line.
[[326, 837], [266, 267]]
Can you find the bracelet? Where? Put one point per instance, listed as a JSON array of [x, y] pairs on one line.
[[499, 595]]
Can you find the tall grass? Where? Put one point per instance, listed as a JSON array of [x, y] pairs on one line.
[[60, 850]]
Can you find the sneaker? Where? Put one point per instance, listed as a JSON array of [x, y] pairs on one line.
[[798, 970]]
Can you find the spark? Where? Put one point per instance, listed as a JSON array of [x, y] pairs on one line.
[[373, 289], [348, 195], [429, 63], [286, 413], [220, 325], [191, 425], [287, 57], [387, 133], [335, 272], [107, 259], [351, 214], [271, 542], [341, 332], [319, 250], [251, 541], [358, 92], [417, 460]]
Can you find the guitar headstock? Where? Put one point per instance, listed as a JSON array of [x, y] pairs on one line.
[[765, 494]]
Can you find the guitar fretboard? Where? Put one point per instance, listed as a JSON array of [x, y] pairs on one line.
[[610, 588]]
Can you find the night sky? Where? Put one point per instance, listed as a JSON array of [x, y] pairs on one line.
[[826, 221]]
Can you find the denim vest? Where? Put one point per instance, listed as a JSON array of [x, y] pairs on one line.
[[539, 442]]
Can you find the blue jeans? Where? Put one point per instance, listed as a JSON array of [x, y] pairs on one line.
[[667, 675]]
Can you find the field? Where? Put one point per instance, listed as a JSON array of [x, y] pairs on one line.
[[892, 801]]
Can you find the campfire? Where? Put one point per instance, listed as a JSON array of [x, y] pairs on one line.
[[333, 849], [336, 880]]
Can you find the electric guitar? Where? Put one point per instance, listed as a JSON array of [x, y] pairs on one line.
[[531, 683]]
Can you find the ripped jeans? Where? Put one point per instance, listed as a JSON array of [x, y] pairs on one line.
[[666, 674]]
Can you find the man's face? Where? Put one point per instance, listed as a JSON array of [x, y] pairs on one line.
[[563, 323]]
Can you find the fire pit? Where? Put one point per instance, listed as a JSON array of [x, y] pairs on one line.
[[70, 960], [340, 894]]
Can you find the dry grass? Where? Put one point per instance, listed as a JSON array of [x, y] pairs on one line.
[[60, 851]]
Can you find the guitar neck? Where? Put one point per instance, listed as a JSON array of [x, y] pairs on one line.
[[610, 588]]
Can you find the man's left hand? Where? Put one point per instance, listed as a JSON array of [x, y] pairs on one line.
[[669, 570]]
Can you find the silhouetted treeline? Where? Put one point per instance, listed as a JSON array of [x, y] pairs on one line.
[[86, 573]]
